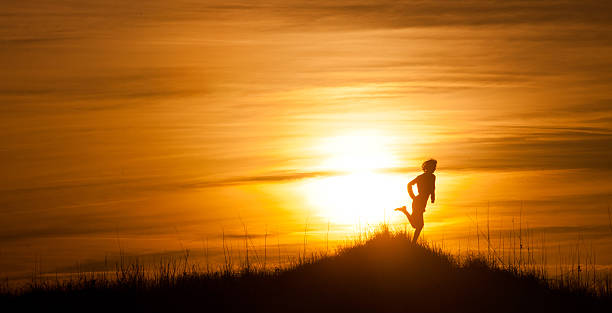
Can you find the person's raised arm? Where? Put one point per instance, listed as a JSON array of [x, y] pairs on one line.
[[433, 191], [410, 192]]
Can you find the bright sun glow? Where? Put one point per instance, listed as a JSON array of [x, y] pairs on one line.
[[359, 152], [360, 194]]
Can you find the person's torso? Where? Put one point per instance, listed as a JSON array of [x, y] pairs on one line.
[[425, 184]]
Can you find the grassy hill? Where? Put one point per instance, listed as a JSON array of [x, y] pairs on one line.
[[384, 274]]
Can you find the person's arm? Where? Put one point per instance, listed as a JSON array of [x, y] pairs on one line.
[[433, 191], [410, 192]]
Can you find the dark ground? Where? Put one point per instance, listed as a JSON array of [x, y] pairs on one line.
[[387, 274]]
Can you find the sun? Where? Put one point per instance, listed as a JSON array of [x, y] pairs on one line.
[[357, 152], [361, 192]]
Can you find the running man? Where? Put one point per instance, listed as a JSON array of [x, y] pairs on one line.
[[426, 184]]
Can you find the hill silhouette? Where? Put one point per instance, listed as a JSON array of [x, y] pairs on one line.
[[386, 273]]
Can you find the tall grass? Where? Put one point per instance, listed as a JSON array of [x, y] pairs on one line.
[[518, 258], [523, 252]]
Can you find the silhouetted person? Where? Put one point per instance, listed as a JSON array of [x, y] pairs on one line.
[[426, 184]]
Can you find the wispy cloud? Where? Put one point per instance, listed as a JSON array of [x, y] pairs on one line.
[[265, 178], [115, 88]]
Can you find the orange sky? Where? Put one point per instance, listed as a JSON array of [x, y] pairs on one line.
[[160, 122]]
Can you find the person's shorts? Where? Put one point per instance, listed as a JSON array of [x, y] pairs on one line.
[[418, 205], [418, 208]]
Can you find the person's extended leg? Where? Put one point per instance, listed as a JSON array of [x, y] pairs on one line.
[[417, 232], [417, 219]]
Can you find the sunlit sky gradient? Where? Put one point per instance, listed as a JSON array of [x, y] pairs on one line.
[[150, 125]]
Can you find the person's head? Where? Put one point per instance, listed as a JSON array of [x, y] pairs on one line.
[[429, 166]]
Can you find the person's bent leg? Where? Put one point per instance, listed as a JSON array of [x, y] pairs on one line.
[[403, 210]]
